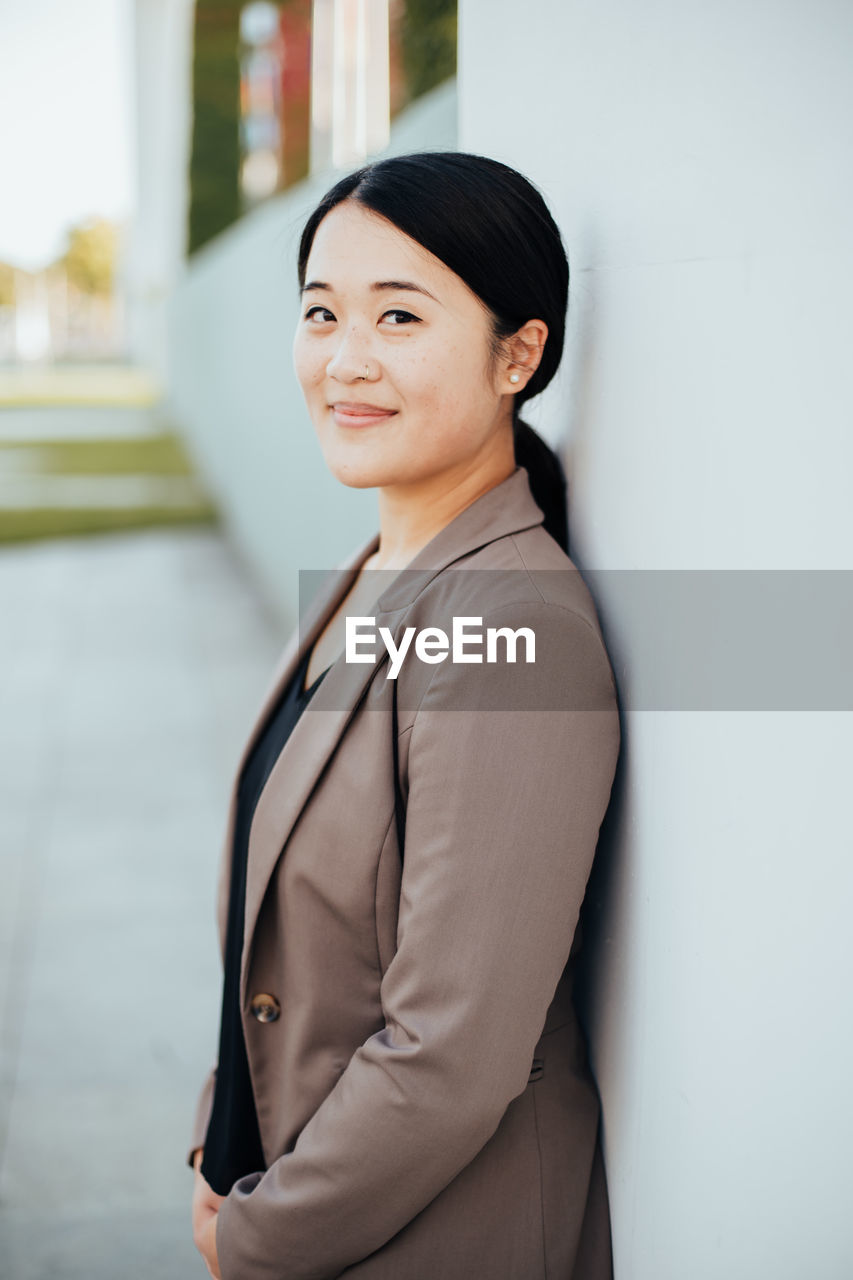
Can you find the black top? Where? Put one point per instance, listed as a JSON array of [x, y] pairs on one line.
[[232, 1147]]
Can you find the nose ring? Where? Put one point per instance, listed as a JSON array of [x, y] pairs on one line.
[[366, 374]]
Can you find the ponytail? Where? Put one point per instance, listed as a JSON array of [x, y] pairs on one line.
[[547, 479]]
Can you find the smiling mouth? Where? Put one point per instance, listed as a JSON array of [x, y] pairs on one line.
[[354, 414]]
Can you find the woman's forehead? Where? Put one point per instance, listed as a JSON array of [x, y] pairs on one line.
[[354, 245]]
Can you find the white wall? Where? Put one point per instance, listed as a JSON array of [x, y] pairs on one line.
[[697, 158], [235, 396]]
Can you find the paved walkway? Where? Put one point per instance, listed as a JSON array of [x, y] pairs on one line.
[[130, 668]]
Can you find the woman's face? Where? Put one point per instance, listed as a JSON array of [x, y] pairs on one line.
[[392, 352]]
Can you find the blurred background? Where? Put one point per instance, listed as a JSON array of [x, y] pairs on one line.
[[161, 488]]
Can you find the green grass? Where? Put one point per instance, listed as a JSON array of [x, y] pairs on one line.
[[155, 455], [48, 522]]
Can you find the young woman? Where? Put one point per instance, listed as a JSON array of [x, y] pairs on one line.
[[402, 1089]]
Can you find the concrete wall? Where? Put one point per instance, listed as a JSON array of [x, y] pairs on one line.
[[697, 158], [235, 396]]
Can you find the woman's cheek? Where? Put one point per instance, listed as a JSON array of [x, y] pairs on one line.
[[307, 365]]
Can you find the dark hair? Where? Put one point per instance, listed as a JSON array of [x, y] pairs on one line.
[[490, 226]]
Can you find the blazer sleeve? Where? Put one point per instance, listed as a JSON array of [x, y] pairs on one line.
[[502, 818], [204, 1101]]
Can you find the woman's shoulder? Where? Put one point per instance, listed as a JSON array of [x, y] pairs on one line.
[[520, 603], [524, 568]]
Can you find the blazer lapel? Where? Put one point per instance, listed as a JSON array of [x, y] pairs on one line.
[[317, 613], [294, 775], [506, 508]]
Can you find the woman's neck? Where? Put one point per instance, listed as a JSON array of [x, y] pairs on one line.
[[410, 516]]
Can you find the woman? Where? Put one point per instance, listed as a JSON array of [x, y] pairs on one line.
[[403, 1091]]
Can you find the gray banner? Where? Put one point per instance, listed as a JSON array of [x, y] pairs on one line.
[[678, 640]]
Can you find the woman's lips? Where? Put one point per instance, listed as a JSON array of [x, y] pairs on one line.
[[350, 414]]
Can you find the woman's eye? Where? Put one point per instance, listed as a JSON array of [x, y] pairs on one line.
[[319, 315], [401, 317]]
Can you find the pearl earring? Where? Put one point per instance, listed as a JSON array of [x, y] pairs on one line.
[[515, 377]]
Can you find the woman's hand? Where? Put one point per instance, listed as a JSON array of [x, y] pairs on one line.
[[205, 1209]]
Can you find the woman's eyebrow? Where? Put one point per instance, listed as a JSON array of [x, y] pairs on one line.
[[377, 287], [402, 284]]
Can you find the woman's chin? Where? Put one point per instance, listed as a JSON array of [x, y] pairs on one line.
[[354, 481], [364, 474]]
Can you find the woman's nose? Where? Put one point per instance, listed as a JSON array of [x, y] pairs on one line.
[[350, 358]]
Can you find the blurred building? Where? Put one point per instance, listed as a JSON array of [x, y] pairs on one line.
[[162, 39], [70, 309], [275, 88]]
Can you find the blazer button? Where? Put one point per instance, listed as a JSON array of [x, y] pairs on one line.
[[265, 1007]]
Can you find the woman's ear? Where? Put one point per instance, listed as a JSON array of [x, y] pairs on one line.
[[524, 351]]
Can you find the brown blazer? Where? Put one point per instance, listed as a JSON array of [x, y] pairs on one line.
[[424, 1099]]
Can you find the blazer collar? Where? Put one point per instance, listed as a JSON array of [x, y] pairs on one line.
[[506, 508]]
